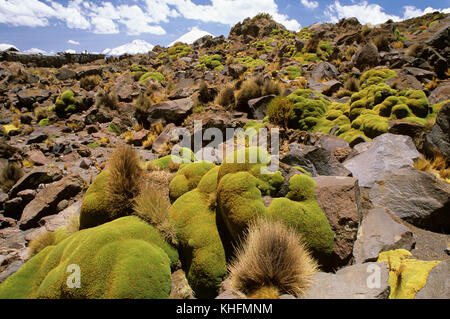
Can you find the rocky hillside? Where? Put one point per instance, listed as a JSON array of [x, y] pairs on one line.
[[89, 175]]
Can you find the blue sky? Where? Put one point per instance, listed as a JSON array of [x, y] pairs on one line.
[[93, 25]]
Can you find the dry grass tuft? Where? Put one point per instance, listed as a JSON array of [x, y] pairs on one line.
[[152, 205], [225, 97], [415, 49], [40, 242], [10, 173], [108, 99], [273, 258], [123, 181], [436, 165], [90, 82]]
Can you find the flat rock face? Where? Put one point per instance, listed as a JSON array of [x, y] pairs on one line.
[[171, 111], [384, 153], [339, 198], [439, 138], [418, 197], [316, 160], [362, 281], [46, 200], [438, 283], [380, 232]]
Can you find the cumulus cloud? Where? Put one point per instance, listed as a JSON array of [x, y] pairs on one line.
[[73, 42], [232, 11], [310, 4], [372, 13], [32, 13]]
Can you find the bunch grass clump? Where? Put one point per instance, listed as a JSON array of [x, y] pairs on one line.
[[153, 206], [272, 260], [124, 180], [10, 173]]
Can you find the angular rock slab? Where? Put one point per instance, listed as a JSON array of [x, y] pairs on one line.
[[439, 137], [438, 283], [384, 153], [46, 201], [174, 111], [316, 160], [339, 198], [418, 197], [380, 232], [353, 282]]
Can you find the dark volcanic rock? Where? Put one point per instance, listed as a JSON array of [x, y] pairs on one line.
[[258, 106], [366, 57], [171, 111], [46, 201], [439, 137], [314, 159]]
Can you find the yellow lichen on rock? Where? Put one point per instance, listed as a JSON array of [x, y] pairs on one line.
[[406, 276]]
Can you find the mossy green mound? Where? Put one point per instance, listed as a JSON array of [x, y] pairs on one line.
[[66, 104], [200, 246], [125, 258], [94, 209], [188, 177], [239, 201], [212, 62], [151, 75], [365, 115]]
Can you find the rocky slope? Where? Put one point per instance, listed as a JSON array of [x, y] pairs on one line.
[[363, 114]]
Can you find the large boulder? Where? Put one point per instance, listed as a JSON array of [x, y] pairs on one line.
[[46, 201], [351, 283], [28, 97], [440, 94], [366, 57], [439, 137], [418, 197], [384, 153], [258, 106], [174, 111], [34, 178], [339, 198], [314, 159], [380, 232]]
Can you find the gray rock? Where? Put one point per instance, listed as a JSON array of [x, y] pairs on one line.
[[385, 152], [324, 70], [65, 74], [439, 137], [11, 269], [339, 198], [29, 96], [171, 111], [258, 106], [314, 159], [380, 232], [440, 94], [418, 197], [353, 282], [164, 137], [366, 57], [46, 201], [34, 178], [438, 283]]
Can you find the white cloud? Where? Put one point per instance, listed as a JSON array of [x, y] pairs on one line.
[[310, 4], [35, 51], [412, 12], [73, 42], [136, 21], [191, 36], [363, 11], [70, 51], [31, 13], [104, 25], [373, 13], [72, 15], [232, 11]]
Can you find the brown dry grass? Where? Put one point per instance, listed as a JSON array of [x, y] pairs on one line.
[[225, 97], [10, 173], [436, 165], [152, 205], [123, 181], [272, 258], [40, 242]]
